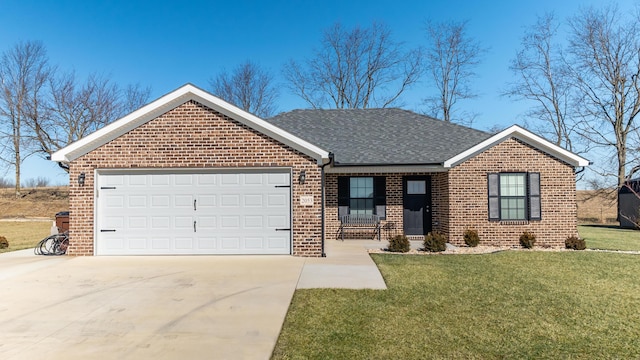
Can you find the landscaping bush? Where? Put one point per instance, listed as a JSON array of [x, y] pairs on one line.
[[527, 239], [399, 243], [435, 242], [471, 237], [3, 242], [575, 243]]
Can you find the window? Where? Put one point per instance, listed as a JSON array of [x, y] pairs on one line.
[[364, 195], [416, 187], [361, 196], [514, 196]]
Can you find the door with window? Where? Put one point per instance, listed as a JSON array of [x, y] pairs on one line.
[[416, 200]]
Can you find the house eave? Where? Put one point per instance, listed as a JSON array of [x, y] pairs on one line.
[[384, 169], [525, 136], [172, 100]]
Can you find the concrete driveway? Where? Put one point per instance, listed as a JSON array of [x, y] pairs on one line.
[[191, 307]]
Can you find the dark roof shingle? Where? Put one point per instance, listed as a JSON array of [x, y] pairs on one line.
[[380, 136]]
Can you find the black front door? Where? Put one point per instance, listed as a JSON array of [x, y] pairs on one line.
[[416, 200]]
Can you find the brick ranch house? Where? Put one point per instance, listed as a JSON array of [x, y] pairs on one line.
[[192, 174]]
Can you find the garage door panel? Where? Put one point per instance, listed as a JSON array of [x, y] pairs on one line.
[[160, 180], [115, 201], [160, 222], [137, 201], [137, 222], [234, 213], [228, 243], [206, 201], [161, 243], [207, 223], [207, 243], [136, 180], [160, 201], [230, 222], [183, 223], [183, 201], [184, 243], [252, 200], [230, 200], [138, 243]]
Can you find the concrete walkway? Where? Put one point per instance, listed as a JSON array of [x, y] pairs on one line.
[[347, 266], [163, 307]]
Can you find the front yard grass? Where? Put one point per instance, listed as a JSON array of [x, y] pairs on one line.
[[609, 237], [23, 234], [514, 304]]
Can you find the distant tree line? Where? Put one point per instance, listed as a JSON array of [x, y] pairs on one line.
[[584, 93]]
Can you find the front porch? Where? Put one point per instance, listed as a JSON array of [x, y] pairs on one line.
[[411, 203]]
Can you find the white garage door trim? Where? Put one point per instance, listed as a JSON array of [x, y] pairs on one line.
[[193, 212]]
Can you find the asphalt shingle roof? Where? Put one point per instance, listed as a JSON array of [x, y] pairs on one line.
[[380, 136]]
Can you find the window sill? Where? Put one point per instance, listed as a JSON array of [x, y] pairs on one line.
[[514, 222]]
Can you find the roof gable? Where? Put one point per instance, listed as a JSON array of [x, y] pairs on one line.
[[172, 100], [525, 136]]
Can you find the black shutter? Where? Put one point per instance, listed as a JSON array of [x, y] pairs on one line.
[[380, 196], [343, 195], [493, 184], [535, 210]]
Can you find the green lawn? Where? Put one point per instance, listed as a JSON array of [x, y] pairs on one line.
[[23, 234], [610, 237], [515, 304]]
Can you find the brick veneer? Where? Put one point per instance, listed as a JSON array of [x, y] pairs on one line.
[[460, 200], [193, 136], [468, 207]]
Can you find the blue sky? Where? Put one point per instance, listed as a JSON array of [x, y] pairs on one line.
[[165, 44]]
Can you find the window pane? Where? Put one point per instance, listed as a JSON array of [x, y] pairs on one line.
[[416, 187], [361, 206], [361, 187], [512, 208], [512, 185]]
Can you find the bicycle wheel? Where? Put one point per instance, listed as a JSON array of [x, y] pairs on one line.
[[61, 245]]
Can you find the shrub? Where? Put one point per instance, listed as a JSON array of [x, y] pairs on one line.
[[527, 239], [575, 243], [3, 242], [471, 237], [399, 243], [435, 242]]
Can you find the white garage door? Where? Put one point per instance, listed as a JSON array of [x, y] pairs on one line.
[[161, 213]]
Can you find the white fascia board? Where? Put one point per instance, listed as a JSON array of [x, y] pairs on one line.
[[171, 101], [384, 169], [525, 136]]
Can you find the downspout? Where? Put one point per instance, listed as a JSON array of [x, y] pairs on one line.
[[322, 202]]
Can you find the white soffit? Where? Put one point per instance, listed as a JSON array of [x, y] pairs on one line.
[[171, 101], [525, 136]]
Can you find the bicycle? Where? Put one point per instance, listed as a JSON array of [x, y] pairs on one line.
[[53, 245]]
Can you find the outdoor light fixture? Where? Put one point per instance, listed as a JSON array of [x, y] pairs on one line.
[[302, 177], [81, 179]]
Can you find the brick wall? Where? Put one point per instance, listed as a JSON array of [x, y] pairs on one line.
[[468, 207], [194, 136]]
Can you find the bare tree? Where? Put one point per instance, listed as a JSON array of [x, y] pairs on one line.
[[542, 77], [24, 71], [76, 110], [249, 87], [451, 59], [356, 68], [605, 49]]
